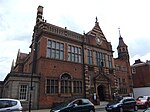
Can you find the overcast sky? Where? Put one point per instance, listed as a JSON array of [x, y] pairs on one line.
[[17, 20]]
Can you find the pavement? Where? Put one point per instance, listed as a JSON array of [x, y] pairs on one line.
[[101, 106]]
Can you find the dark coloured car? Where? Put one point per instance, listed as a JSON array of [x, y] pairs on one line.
[[143, 101], [122, 104], [77, 105]]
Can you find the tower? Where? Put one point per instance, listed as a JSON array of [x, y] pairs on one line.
[[122, 49]]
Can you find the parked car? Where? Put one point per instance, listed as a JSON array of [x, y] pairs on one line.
[[77, 105], [9, 105], [143, 101], [122, 104], [147, 110]]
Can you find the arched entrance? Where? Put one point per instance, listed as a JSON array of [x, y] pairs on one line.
[[101, 92]]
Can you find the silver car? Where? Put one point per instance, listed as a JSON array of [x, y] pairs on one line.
[[9, 105]]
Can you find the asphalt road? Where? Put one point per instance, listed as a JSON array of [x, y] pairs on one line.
[[103, 110], [97, 110]]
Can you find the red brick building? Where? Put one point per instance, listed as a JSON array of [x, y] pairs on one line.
[[140, 74], [64, 65], [123, 70], [141, 78]]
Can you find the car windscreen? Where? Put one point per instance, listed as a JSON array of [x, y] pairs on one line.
[[117, 100], [85, 102], [61, 104], [142, 98]]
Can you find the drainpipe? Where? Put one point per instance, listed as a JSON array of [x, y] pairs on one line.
[[83, 68], [33, 70]]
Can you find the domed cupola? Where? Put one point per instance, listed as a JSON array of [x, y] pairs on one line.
[[122, 49]]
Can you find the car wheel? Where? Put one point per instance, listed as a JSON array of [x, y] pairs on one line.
[[121, 109], [147, 105], [91, 110], [135, 108]]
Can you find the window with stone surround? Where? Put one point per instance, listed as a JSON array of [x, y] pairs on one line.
[[100, 59], [110, 61], [74, 54], [51, 86], [55, 49], [23, 90], [77, 86], [123, 90], [66, 83], [90, 57]]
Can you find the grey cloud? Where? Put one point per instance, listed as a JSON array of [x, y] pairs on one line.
[[3, 24], [72, 24], [3, 59], [20, 37]]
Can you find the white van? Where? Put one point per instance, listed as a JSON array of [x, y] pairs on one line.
[[9, 105]]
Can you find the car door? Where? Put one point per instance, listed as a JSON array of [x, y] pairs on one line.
[[86, 106], [126, 104], [4, 105], [133, 103], [129, 104], [76, 106]]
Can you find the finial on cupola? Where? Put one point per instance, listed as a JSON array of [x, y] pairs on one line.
[[119, 32]]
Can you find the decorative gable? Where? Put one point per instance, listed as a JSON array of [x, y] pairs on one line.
[[96, 31], [95, 37]]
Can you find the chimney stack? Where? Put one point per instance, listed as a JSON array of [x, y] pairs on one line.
[[39, 14]]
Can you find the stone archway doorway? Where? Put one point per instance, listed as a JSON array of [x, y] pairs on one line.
[[101, 92]]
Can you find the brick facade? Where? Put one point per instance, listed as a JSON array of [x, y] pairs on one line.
[[70, 65], [140, 73]]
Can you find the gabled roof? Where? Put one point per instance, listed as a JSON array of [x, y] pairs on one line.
[[21, 57]]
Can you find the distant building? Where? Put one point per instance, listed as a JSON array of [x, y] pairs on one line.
[[141, 77], [141, 74], [64, 65]]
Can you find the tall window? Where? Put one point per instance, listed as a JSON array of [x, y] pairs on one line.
[[110, 61], [74, 54], [63, 86], [65, 83], [90, 57], [100, 59], [122, 91], [23, 92], [77, 86], [51, 86], [55, 50]]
